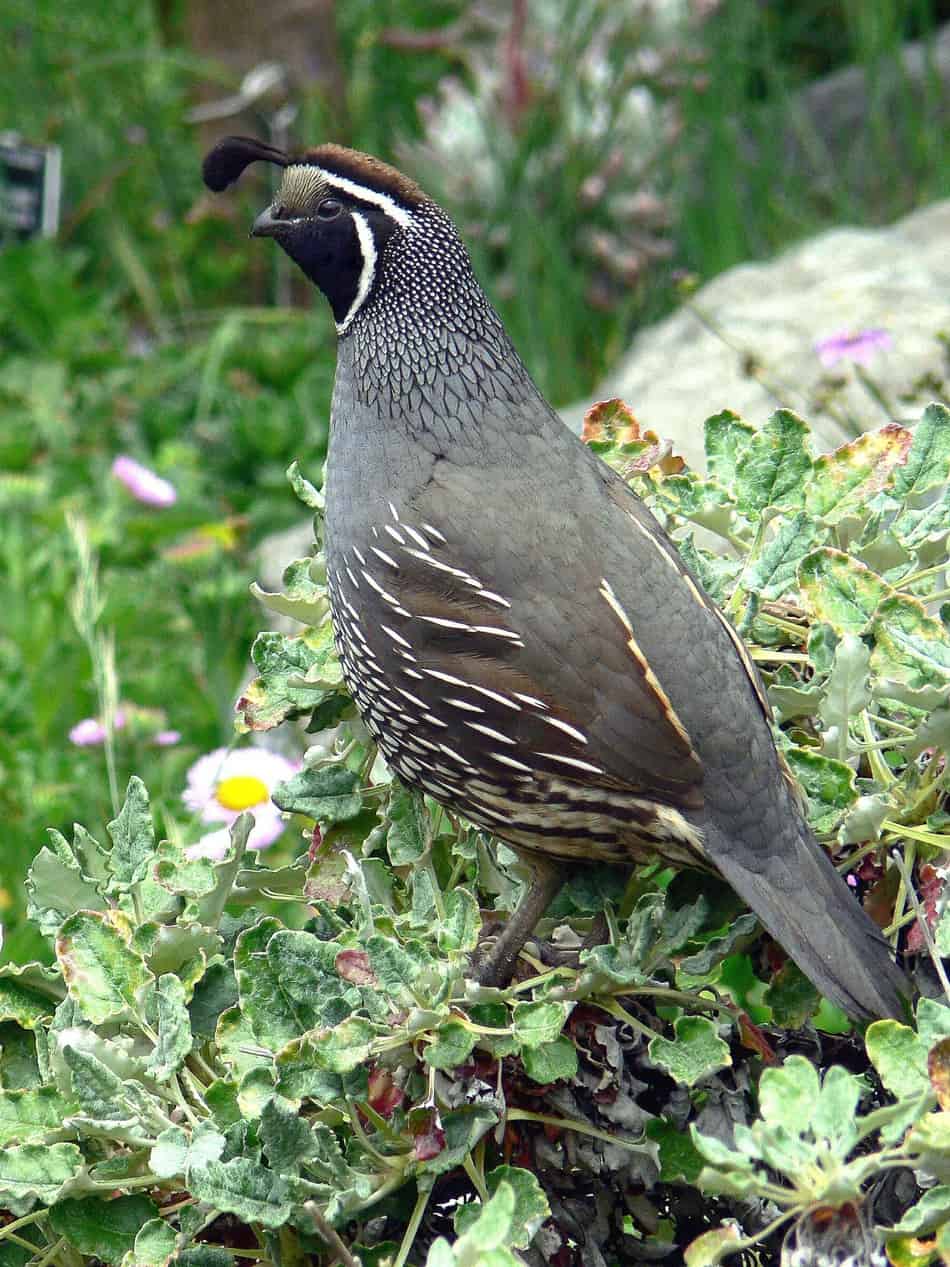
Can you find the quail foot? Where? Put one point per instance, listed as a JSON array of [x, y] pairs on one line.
[[520, 636]]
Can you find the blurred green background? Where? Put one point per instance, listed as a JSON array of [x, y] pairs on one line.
[[591, 152]]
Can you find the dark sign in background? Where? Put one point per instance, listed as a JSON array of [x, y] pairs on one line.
[[29, 189]]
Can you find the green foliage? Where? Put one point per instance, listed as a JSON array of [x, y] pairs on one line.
[[71, 398], [748, 131], [300, 1047]]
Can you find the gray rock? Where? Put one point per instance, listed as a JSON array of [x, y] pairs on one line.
[[746, 340], [830, 140]]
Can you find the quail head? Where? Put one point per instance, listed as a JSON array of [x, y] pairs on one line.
[[520, 636]]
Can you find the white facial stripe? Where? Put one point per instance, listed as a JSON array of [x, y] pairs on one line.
[[368, 271], [383, 201]]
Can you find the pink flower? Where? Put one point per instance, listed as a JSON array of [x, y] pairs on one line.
[[858, 347], [167, 738], [144, 485], [90, 732]]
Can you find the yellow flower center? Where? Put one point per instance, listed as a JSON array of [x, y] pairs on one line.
[[241, 791]]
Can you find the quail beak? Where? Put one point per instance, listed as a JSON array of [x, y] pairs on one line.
[[266, 225]]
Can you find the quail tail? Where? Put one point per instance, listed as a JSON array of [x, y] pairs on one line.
[[816, 920]]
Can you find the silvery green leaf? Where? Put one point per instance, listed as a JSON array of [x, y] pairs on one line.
[[245, 1188], [834, 1115], [841, 591], [928, 462], [843, 481], [329, 794], [910, 646], [301, 599], [103, 1229], [56, 887], [287, 1137], [933, 1021], [933, 732], [726, 438], [899, 1056], [32, 1115], [153, 1246], [274, 1014], [846, 692], [550, 1062], [104, 975], [539, 1022], [295, 675], [773, 467], [788, 1095], [459, 932], [828, 784], [531, 1206], [174, 1028], [696, 1052], [37, 1172], [409, 827], [308, 493], [107, 1104], [133, 838], [863, 820], [176, 1151], [29, 994], [452, 1046], [775, 571]]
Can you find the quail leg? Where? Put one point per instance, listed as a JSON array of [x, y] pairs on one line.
[[495, 968]]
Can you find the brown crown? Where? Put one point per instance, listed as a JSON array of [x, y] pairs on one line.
[[363, 169], [228, 159]]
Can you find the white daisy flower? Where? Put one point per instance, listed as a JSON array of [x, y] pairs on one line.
[[223, 784]]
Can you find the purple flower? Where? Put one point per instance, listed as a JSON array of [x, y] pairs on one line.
[[858, 347], [167, 738], [88, 733], [144, 485]]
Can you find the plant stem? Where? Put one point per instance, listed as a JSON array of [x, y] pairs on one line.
[[51, 1253], [24, 1222], [905, 867], [478, 1181], [331, 1235], [422, 1200], [687, 1000], [388, 1162], [571, 1124], [879, 767], [857, 856], [203, 1067], [939, 839], [614, 1009], [777, 657], [22, 1242], [894, 725], [914, 577]]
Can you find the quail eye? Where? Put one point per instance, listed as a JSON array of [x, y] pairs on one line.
[[329, 209]]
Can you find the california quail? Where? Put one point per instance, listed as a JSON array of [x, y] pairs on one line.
[[520, 636]]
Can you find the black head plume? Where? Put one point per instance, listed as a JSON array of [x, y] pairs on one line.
[[227, 160]]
